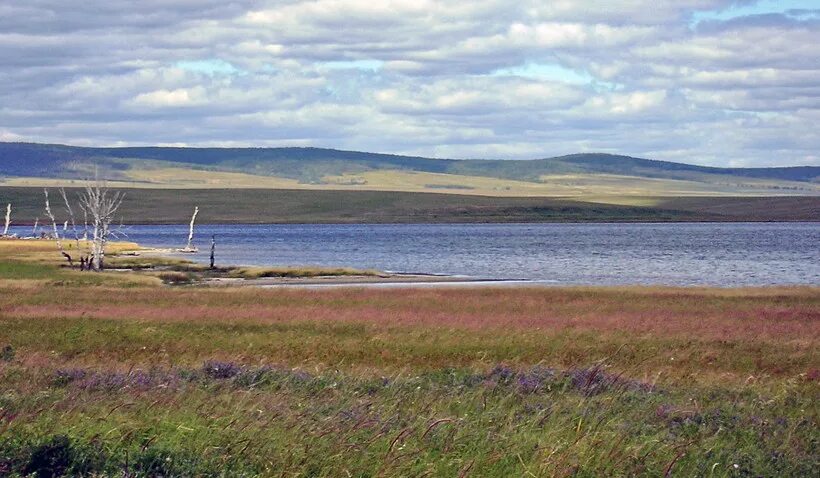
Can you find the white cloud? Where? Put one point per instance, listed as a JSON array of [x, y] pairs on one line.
[[488, 78], [625, 104], [170, 98]]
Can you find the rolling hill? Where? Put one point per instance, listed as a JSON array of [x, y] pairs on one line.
[[578, 175]]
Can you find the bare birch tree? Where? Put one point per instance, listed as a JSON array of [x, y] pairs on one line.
[[8, 220], [190, 246], [101, 204]]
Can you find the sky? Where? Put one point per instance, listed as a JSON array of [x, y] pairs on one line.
[[713, 82]]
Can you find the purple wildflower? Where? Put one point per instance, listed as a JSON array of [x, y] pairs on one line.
[[502, 374], [592, 381], [66, 376]]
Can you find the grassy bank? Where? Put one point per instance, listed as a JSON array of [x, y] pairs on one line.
[[39, 260], [130, 377], [232, 206]]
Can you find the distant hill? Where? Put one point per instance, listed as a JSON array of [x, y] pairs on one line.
[[350, 169]]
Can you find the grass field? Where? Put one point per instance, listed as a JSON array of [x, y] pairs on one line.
[[118, 375], [174, 206], [576, 186]]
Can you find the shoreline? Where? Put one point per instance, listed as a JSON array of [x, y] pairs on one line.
[[350, 277], [396, 281], [387, 280], [174, 269], [427, 221]]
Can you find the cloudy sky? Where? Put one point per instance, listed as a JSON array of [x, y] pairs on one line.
[[727, 83]]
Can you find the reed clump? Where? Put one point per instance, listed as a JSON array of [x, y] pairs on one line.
[[298, 272]]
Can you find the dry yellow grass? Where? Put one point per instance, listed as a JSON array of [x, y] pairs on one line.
[[37, 263], [192, 178], [603, 188], [45, 251]]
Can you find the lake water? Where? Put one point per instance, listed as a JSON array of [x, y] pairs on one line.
[[724, 254]]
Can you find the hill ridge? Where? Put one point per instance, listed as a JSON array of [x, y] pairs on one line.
[[311, 164]]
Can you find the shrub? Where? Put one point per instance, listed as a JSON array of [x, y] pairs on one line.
[[52, 458], [174, 277], [216, 369], [7, 354]]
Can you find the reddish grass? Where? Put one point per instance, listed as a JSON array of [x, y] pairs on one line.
[[671, 335], [778, 314]]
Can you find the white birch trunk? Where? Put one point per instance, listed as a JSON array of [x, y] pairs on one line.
[[96, 249], [190, 246], [85, 225], [8, 220]]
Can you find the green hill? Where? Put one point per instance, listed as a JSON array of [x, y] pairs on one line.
[[47, 160], [577, 175]]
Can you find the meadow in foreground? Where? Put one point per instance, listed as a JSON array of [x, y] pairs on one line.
[[126, 377]]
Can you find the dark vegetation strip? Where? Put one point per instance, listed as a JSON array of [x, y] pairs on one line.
[[269, 206], [587, 381]]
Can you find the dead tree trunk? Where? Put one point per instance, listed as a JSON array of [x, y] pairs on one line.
[[8, 220], [190, 246], [213, 250]]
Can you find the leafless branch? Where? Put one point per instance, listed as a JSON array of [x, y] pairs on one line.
[[56, 233], [71, 217]]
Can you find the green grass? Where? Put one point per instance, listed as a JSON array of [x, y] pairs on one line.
[[275, 421], [58, 277], [24, 270], [493, 422]]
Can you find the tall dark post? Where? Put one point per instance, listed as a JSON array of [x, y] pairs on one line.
[[213, 248]]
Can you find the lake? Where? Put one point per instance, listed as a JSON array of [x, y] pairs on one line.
[[721, 254]]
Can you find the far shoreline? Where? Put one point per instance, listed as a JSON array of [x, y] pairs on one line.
[[294, 206]]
